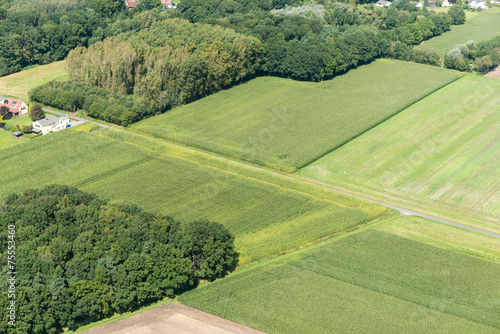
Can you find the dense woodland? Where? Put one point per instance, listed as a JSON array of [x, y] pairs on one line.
[[171, 57], [80, 258]]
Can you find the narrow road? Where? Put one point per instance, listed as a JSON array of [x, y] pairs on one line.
[[403, 211]]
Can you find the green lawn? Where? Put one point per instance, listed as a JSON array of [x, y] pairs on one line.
[[443, 152], [287, 124], [7, 140], [266, 213], [19, 84], [367, 282], [478, 27], [21, 120]]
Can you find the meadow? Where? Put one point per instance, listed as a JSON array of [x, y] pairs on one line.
[[445, 236], [478, 27], [267, 213], [443, 153], [19, 84], [365, 282], [287, 124]]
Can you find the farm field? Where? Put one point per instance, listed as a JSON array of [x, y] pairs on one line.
[[266, 213], [287, 124], [443, 152], [19, 84], [478, 27], [366, 282], [445, 236]]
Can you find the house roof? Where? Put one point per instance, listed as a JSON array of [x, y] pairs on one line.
[[15, 105], [17, 133], [131, 3], [383, 2], [49, 120]]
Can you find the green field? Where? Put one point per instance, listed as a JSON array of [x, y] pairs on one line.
[[367, 282], [287, 124], [443, 152], [445, 236], [478, 27], [19, 84], [266, 213]]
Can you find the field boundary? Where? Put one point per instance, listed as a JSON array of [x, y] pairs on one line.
[[380, 122]]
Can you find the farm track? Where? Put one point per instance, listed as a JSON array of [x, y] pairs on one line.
[[403, 210]]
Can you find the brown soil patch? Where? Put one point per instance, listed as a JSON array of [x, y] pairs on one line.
[[494, 74], [173, 319]]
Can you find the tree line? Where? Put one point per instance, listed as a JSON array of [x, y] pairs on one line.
[[482, 57], [80, 258]]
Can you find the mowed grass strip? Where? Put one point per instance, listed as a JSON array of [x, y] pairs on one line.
[[445, 236], [442, 151], [286, 124], [368, 282], [19, 84], [478, 27], [266, 213]]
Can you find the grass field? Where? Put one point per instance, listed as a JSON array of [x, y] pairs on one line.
[[367, 282], [445, 236], [19, 84], [266, 213], [287, 124], [478, 27], [443, 152]]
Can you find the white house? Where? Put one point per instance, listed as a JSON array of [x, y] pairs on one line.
[[383, 3], [418, 5], [476, 4], [446, 4], [51, 124]]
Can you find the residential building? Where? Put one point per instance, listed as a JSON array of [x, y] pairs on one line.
[[131, 3], [383, 3], [16, 107], [51, 124]]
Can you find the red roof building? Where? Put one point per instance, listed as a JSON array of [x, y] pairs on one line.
[[131, 3], [17, 107]]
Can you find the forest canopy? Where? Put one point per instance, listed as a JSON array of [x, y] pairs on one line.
[[80, 258]]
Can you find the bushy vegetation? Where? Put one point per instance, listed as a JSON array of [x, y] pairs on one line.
[[97, 102], [484, 57], [367, 282], [81, 258], [287, 124], [441, 151], [266, 213]]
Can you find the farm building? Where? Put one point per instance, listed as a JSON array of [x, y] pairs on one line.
[[51, 124], [17, 134], [383, 3]]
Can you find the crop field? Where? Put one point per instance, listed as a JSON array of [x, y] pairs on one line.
[[19, 84], [266, 213], [366, 282], [443, 152], [445, 236], [287, 124], [478, 27]]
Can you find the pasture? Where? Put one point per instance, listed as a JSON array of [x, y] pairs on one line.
[[366, 282], [478, 27], [266, 213], [19, 84], [442, 152], [287, 124]]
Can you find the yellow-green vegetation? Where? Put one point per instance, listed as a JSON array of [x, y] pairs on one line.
[[19, 84], [445, 236], [287, 124], [267, 213], [367, 282], [443, 152], [478, 27]]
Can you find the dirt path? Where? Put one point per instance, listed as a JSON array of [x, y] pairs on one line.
[[494, 73], [174, 318]]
